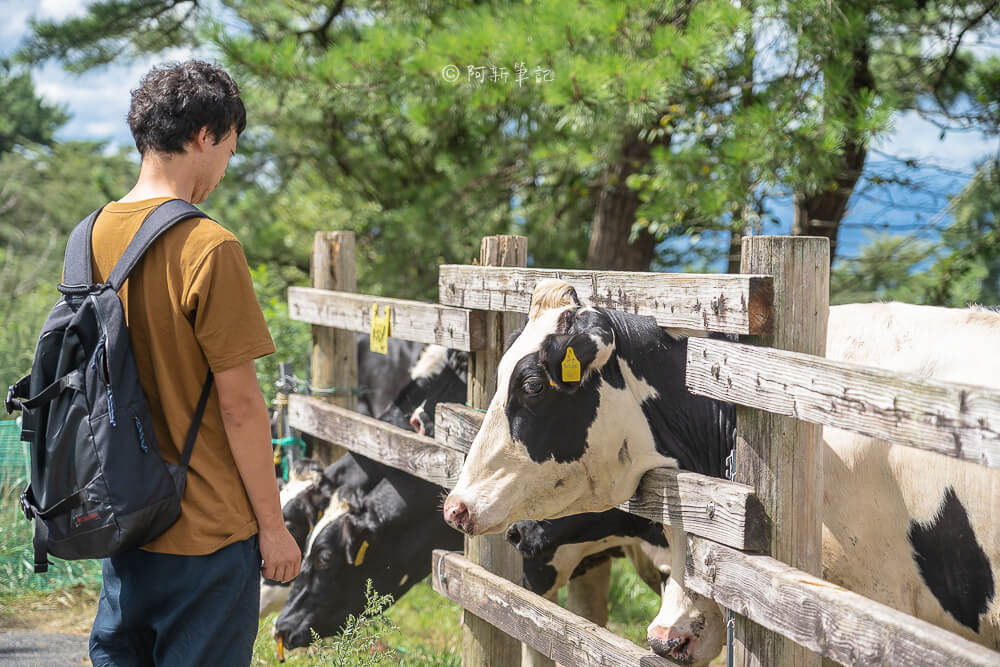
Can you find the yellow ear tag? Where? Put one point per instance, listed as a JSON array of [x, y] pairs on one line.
[[570, 366], [360, 558], [379, 339]]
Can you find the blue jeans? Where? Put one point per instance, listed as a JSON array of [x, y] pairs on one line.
[[178, 611]]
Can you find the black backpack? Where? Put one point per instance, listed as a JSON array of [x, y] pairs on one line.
[[99, 485]]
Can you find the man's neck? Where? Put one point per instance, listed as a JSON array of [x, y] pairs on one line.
[[162, 177]]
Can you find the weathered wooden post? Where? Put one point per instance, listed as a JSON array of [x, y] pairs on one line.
[[482, 643], [782, 457], [334, 351]]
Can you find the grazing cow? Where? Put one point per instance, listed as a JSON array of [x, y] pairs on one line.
[[439, 376], [387, 536], [556, 442]]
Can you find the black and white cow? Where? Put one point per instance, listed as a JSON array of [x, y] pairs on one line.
[[386, 535], [554, 550], [551, 445], [439, 376], [382, 376]]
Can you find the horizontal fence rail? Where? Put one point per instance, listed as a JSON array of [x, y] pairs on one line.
[[962, 421], [714, 508], [545, 626], [378, 440], [738, 304], [822, 616], [456, 328]]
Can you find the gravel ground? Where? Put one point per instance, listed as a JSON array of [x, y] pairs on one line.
[[37, 649]]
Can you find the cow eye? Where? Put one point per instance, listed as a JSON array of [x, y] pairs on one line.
[[325, 557], [533, 387]]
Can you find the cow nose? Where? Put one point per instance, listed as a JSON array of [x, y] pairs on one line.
[[416, 423], [513, 534], [672, 644], [457, 514]]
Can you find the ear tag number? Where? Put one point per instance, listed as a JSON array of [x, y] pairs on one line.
[[570, 366], [379, 339], [360, 558]]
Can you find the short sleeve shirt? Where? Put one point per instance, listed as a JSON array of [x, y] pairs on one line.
[[190, 307]]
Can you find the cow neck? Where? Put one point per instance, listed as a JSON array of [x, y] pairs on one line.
[[696, 430]]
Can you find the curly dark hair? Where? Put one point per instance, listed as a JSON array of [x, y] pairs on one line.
[[174, 101]]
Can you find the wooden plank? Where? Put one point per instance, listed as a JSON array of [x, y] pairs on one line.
[[782, 458], [739, 304], [723, 511], [334, 359], [430, 323], [383, 442], [482, 643], [944, 417], [822, 616], [545, 626]]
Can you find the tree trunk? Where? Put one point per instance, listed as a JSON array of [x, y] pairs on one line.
[[616, 207], [820, 213]]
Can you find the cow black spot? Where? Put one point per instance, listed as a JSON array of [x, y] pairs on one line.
[[552, 424], [952, 563], [538, 577]]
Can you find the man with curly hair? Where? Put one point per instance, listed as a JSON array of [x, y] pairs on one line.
[[190, 597]]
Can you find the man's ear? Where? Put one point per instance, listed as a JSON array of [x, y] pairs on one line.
[[569, 358]]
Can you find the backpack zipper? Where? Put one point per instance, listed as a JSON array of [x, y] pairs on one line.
[[142, 439], [103, 345]]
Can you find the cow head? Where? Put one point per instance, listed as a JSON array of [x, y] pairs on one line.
[[689, 629], [565, 432], [386, 535], [439, 376]]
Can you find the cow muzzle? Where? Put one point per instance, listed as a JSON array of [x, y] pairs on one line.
[[458, 515]]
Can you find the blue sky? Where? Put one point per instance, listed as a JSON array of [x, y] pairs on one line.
[[98, 102]]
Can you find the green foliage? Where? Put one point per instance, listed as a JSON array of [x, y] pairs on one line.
[[292, 339], [361, 643], [969, 270], [25, 118], [889, 268]]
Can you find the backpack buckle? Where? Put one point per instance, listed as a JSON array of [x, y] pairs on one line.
[[29, 512], [15, 391], [10, 403]]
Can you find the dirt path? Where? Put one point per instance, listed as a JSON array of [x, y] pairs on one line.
[[38, 649], [47, 629]]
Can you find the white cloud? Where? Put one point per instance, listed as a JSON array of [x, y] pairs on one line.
[[59, 10]]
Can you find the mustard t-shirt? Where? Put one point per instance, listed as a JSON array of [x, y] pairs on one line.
[[189, 306]]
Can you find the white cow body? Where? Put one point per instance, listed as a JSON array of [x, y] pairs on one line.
[[873, 490], [876, 495]]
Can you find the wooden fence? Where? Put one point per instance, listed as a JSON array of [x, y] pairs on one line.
[[755, 542]]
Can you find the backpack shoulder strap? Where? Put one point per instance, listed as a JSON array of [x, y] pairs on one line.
[[78, 259], [163, 217]]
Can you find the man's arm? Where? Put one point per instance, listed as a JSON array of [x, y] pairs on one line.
[[244, 415]]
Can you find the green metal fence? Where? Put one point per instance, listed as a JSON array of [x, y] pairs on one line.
[[14, 467]]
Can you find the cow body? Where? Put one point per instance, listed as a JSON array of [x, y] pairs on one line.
[[907, 528]]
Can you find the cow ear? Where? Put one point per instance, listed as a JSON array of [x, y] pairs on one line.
[[551, 293], [583, 345], [357, 538]]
